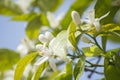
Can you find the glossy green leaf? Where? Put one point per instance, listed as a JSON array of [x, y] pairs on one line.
[[22, 64], [40, 70], [102, 9], [108, 29], [112, 65], [59, 45], [104, 42], [48, 5], [33, 28], [71, 34], [25, 17], [114, 37], [92, 51], [8, 58], [8, 7], [79, 68], [79, 6], [67, 75]]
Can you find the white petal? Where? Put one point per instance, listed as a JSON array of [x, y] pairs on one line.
[[91, 15], [39, 47], [104, 16], [53, 22], [52, 64], [42, 38], [97, 25], [49, 36], [76, 17], [41, 60]]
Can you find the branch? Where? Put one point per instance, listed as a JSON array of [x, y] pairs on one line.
[[86, 69], [89, 76], [93, 65]]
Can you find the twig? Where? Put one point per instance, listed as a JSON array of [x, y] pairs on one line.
[[89, 76], [93, 65], [86, 69]]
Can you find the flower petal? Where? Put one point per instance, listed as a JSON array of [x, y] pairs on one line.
[[41, 60], [104, 16], [52, 64]]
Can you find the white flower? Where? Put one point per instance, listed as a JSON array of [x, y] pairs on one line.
[[24, 4], [25, 46], [54, 22], [76, 17], [46, 52], [46, 38], [95, 21]]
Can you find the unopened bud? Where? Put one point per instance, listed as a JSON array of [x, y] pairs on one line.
[[76, 17], [85, 39]]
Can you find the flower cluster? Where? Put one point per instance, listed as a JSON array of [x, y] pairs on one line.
[[47, 51], [90, 20]]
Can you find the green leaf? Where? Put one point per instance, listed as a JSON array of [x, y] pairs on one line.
[[59, 45], [69, 71], [40, 70], [71, 34], [67, 75], [104, 42], [108, 29], [112, 65], [102, 9], [79, 6], [25, 17], [79, 68], [8, 58], [22, 64], [8, 7], [48, 5], [33, 27], [92, 51]]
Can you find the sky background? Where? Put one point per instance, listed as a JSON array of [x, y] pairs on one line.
[[11, 32]]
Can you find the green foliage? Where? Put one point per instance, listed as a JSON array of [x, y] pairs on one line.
[[48, 5], [66, 32], [25, 17], [8, 58], [33, 27], [92, 51], [22, 64], [67, 75], [8, 7], [71, 34], [40, 70], [112, 65], [106, 6], [79, 68]]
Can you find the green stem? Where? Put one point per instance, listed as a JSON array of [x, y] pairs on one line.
[[94, 38]]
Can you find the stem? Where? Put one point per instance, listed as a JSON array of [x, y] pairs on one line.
[[86, 69], [93, 65], [89, 76], [94, 38]]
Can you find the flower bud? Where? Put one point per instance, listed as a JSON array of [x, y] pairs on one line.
[[42, 38], [85, 39], [76, 17], [49, 36]]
